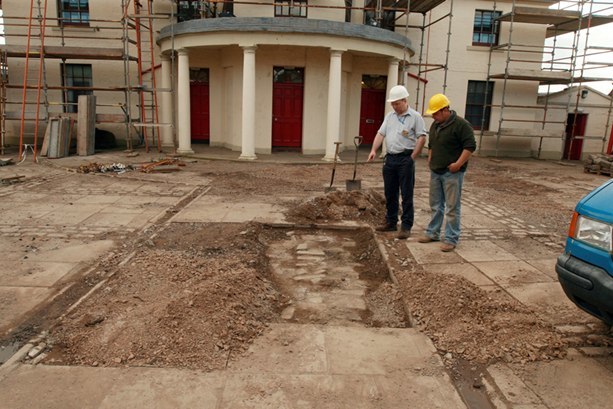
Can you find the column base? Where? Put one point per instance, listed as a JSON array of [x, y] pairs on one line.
[[247, 157], [185, 152], [330, 159]]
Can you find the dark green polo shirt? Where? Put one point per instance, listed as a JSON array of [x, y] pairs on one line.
[[448, 140]]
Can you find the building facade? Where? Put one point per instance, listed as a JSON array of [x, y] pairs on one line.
[[260, 76]]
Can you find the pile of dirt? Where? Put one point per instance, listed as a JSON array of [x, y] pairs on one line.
[[467, 322], [196, 296], [367, 206]]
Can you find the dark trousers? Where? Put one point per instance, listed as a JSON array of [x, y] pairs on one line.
[[399, 175]]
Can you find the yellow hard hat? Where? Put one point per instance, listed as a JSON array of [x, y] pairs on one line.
[[436, 103]]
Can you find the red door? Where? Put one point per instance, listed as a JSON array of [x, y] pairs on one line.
[[372, 110], [287, 94], [200, 115], [575, 126], [610, 148]]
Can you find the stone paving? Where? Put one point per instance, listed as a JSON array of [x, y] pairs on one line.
[[498, 251]]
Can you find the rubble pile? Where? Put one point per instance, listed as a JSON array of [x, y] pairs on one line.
[[599, 163]]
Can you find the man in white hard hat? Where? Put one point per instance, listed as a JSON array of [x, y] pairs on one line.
[[404, 132], [451, 142]]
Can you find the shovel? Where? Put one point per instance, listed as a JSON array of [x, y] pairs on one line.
[[330, 188], [354, 184]]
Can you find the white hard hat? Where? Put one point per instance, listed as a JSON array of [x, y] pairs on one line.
[[397, 93]]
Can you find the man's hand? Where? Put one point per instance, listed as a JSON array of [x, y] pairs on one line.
[[454, 167], [371, 156]]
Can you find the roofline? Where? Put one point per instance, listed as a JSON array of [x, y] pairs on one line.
[[290, 25]]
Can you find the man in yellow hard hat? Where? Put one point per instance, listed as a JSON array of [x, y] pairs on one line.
[[451, 142], [404, 132]]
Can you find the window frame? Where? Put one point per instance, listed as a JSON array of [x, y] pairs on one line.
[[284, 8], [477, 103], [478, 30], [71, 96], [79, 9]]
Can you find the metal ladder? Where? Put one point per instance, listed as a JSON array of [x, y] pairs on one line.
[[3, 81], [36, 33], [148, 92]]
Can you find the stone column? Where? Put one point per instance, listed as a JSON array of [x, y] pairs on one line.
[[334, 104], [392, 80], [166, 117], [184, 130], [248, 118]]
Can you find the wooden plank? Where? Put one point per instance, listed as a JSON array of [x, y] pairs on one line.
[[537, 133], [553, 77], [81, 53], [571, 26], [538, 15]]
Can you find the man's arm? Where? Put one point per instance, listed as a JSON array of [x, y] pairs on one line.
[[375, 145], [457, 165], [421, 141]]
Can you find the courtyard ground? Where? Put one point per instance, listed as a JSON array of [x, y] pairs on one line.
[[221, 266]]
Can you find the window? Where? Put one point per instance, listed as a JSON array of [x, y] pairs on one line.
[[478, 96], [485, 28], [74, 12], [387, 19], [75, 75], [291, 8], [288, 75], [189, 10]]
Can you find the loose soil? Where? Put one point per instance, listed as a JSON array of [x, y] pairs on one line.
[[197, 295]]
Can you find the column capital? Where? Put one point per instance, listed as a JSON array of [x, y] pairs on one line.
[[249, 48], [165, 57], [183, 51], [394, 60], [336, 53]]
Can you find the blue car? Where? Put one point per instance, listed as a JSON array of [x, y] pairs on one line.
[[585, 270]]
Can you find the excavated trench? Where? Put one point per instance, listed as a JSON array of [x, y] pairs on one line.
[[334, 277]]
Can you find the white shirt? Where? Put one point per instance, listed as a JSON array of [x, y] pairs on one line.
[[401, 131]]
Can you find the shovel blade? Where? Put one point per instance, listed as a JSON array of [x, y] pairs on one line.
[[353, 185]]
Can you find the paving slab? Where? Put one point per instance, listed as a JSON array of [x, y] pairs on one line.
[[430, 253], [507, 273], [482, 250], [562, 384], [477, 220], [210, 208], [545, 266], [291, 366], [546, 295], [25, 273], [17, 301]]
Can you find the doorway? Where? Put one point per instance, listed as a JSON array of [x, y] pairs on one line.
[[575, 130], [199, 104], [372, 106], [287, 106]]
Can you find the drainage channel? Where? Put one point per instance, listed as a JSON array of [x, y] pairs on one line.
[[335, 277]]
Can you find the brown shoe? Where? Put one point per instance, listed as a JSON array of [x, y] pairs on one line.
[[426, 239], [447, 247], [386, 227], [404, 233]]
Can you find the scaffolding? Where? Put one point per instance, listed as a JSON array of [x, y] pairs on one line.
[[35, 40], [546, 66]]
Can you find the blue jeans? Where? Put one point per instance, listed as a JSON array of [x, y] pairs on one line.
[[445, 198], [399, 175]]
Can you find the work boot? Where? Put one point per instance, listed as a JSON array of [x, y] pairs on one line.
[[386, 227], [447, 247], [426, 239], [404, 233]]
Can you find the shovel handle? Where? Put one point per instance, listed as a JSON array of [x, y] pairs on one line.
[[334, 165]]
